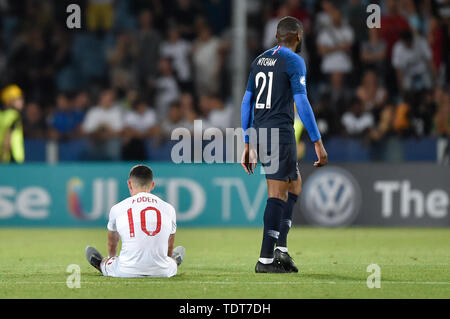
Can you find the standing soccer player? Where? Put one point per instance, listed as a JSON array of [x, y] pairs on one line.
[[146, 225], [277, 80]]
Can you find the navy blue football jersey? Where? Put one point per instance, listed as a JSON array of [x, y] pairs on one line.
[[275, 77]]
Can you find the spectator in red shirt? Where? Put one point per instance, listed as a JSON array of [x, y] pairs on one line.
[[435, 39], [296, 10], [392, 25]]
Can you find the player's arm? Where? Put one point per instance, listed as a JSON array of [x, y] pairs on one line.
[[171, 242], [248, 160], [113, 235], [172, 233], [296, 70], [113, 242]]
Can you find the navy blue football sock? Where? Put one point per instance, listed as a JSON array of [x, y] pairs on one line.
[[272, 217], [286, 220]]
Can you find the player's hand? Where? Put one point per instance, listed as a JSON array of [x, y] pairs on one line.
[[322, 155], [249, 159]]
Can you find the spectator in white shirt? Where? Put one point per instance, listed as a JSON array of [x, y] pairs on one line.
[[167, 88], [356, 121], [334, 44], [178, 50], [220, 114], [102, 125], [139, 123], [411, 58], [207, 61]]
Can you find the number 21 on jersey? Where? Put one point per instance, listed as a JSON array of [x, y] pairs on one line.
[[261, 77]]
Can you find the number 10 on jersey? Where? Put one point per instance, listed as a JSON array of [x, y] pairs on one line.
[[143, 224]]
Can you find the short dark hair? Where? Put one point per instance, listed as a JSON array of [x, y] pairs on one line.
[[142, 175], [287, 28]]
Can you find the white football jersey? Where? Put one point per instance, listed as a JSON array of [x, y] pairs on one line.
[[144, 223]]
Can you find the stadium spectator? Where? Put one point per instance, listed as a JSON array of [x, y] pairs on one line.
[[184, 13], [423, 110], [409, 11], [31, 65], [121, 62], [173, 120], [270, 29], [65, 121], [435, 39], [355, 13], [178, 50], [371, 94], [381, 149], [402, 115], [411, 58], [206, 60], [393, 24], [218, 13], [297, 10], [205, 107], [441, 121], [167, 87], [81, 102], [139, 123], [147, 42], [326, 117], [220, 114], [100, 15], [373, 52], [34, 125], [334, 44], [323, 17], [188, 111], [356, 121], [102, 125]]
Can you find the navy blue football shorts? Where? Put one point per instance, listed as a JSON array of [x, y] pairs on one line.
[[279, 161]]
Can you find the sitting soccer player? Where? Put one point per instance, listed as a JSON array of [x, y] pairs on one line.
[[146, 225]]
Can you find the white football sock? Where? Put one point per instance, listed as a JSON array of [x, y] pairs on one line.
[[266, 260], [282, 249]]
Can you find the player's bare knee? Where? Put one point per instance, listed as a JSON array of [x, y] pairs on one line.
[[283, 195], [295, 187]]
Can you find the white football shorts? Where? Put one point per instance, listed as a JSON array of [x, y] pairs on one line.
[[110, 268]]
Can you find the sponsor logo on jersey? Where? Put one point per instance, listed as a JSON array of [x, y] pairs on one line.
[[303, 80]]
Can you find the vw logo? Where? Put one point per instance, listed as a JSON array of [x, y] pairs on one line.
[[331, 197]]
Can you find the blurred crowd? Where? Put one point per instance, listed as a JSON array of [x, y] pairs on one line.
[[139, 68]]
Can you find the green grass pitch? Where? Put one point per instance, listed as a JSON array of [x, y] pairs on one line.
[[415, 263]]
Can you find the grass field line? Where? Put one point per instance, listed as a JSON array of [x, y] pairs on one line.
[[140, 282], [302, 265]]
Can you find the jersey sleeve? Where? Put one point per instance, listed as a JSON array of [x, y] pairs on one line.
[[174, 221], [296, 70], [251, 80], [112, 220], [246, 106]]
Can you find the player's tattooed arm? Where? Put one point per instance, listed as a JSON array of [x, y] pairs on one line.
[[113, 242]]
